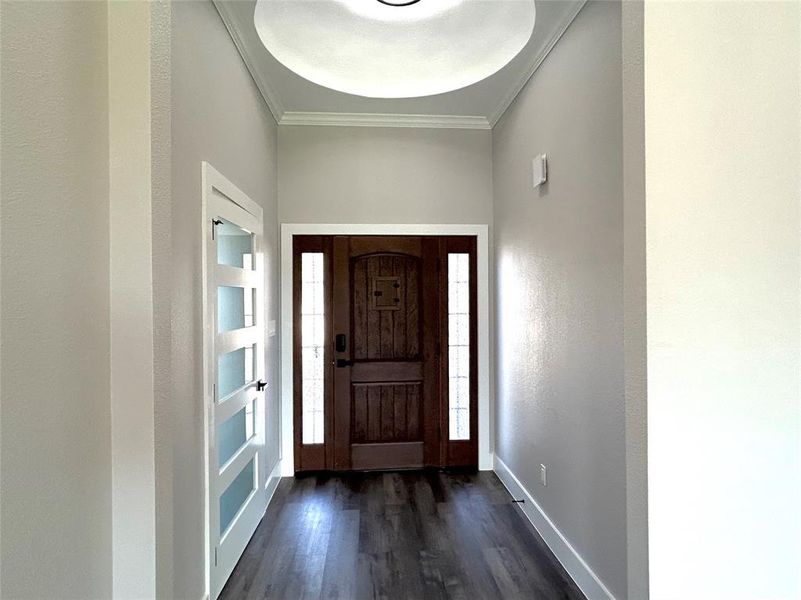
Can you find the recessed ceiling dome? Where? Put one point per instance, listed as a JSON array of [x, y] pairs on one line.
[[394, 48]]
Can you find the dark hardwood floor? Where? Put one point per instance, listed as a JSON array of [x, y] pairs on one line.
[[399, 535]]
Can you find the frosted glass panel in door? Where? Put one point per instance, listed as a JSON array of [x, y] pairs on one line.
[[233, 433], [234, 370], [234, 497], [234, 308], [234, 246]]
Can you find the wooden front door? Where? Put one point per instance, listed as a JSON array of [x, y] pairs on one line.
[[385, 395], [374, 353]]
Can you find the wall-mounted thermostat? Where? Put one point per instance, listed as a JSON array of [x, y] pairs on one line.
[[540, 170]]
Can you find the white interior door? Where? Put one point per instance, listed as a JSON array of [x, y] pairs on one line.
[[234, 372]]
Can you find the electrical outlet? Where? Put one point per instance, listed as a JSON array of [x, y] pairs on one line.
[[544, 475]]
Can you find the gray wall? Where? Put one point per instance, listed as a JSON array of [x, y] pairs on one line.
[[384, 175], [217, 116], [634, 299], [559, 291], [56, 472]]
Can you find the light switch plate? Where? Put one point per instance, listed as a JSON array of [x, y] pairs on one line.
[[539, 170]]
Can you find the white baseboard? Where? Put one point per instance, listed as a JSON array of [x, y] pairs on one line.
[[587, 581], [273, 479]]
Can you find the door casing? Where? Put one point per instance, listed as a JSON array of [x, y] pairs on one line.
[[485, 366]]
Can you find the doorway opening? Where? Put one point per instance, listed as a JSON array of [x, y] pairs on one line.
[[394, 371], [384, 349]]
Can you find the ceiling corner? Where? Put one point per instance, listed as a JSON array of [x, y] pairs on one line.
[[269, 95], [535, 62]]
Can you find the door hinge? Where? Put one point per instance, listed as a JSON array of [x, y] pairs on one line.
[[214, 223], [215, 556]]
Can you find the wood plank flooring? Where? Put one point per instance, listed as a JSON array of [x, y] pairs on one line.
[[401, 535]]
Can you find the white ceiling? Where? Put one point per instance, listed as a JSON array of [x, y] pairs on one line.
[[368, 48], [294, 100]]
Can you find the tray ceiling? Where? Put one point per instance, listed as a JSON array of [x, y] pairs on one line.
[[294, 100]]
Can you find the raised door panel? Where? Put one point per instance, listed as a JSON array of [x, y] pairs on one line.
[[386, 324], [386, 413]]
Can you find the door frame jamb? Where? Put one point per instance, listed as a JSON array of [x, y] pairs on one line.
[[480, 231]]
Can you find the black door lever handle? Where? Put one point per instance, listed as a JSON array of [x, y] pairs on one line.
[[342, 363]]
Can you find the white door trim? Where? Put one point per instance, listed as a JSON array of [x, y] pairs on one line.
[[288, 230]]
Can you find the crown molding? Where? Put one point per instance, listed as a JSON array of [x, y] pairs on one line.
[[284, 117], [383, 120], [268, 93], [534, 64]]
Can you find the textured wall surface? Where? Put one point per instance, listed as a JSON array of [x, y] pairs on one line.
[[634, 299], [559, 291], [56, 473], [369, 175], [217, 116], [138, 93], [723, 158]]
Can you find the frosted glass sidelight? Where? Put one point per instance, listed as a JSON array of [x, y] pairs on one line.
[[235, 370], [234, 433], [234, 246], [235, 308], [235, 496], [312, 346], [459, 346]]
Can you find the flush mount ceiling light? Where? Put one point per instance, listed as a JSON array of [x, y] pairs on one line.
[[399, 2], [394, 48]]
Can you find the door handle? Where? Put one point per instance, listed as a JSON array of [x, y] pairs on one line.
[[260, 385], [342, 363]]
